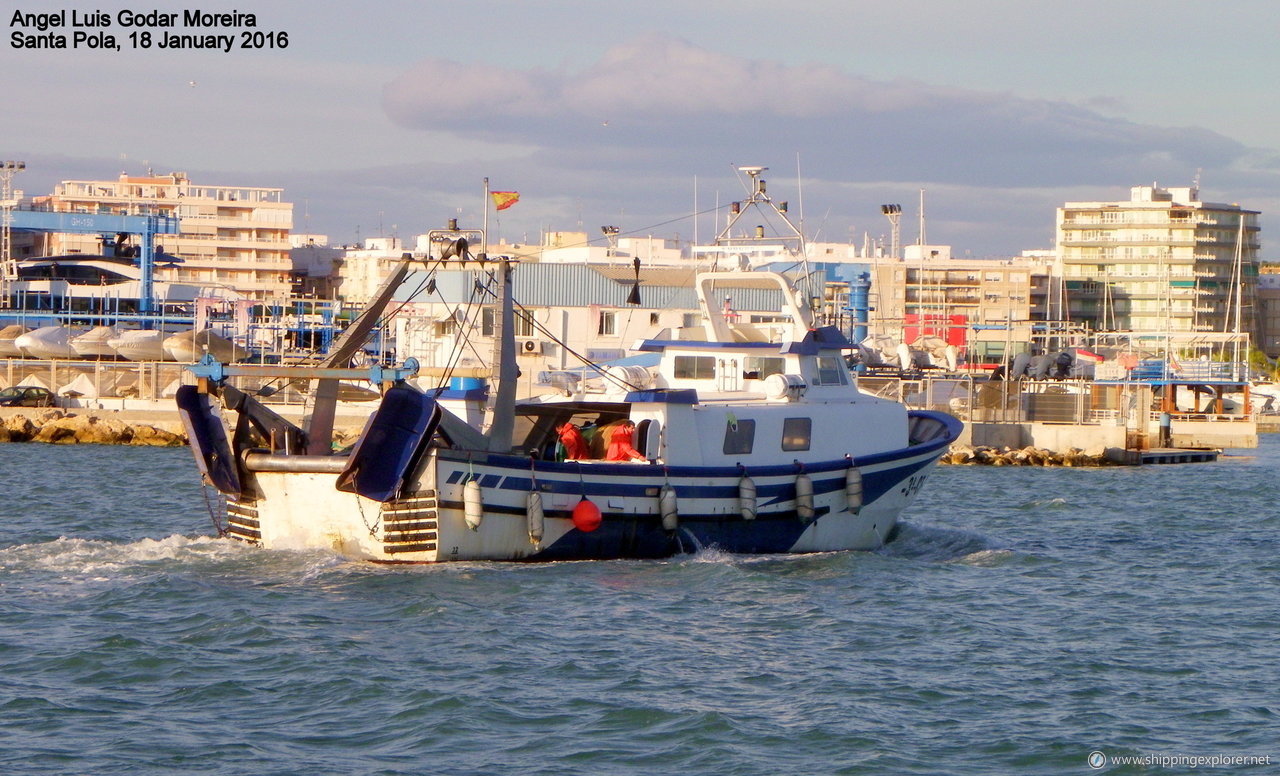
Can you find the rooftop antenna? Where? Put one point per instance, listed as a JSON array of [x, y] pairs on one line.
[[758, 199], [922, 237], [800, 192]]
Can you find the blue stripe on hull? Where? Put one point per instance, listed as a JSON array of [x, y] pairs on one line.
[[874, 484], [627, 495], [639, 538]]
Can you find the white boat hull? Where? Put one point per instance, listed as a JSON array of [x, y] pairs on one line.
[[304, 510], [140, 345], [47, 342], [93, 343]]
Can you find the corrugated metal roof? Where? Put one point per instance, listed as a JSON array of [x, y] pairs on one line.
[[578, 285]]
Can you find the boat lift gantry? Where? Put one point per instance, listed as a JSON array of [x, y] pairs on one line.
[[145, 226]]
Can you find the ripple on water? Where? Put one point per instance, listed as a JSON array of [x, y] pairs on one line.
[[1018, 620]]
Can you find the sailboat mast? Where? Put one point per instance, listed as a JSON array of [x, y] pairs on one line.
[[1239, 273]]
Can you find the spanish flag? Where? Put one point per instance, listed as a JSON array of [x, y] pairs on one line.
[[504, 199]]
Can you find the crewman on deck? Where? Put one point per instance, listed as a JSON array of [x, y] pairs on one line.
[[575, 447], [620, 448]]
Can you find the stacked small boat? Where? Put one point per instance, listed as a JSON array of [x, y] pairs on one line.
[[139, 345], [48, 342], [188, 347], [8, 345], [95, 342]]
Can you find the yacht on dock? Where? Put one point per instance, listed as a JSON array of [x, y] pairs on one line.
[[741, 440], [95, 283]]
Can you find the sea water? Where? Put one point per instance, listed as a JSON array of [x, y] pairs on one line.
[[1023, 619]]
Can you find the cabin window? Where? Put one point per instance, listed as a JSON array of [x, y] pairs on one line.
[[653, 319], [831, 371], [796, 433], [488, 322], [757, 368], [695, 367], [739, 436]]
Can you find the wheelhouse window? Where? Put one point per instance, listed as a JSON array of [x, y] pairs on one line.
[[739, 435], [695, 367], [796, 433], [758, 368], [831, 371]]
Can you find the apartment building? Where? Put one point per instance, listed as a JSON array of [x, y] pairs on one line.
[[232, 236], [1162, 261], [982, 305]]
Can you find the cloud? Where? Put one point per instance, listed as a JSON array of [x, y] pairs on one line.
[[659, 100]]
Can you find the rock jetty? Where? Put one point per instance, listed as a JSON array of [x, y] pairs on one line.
[[63, 428], [59, 427], [964, 455]]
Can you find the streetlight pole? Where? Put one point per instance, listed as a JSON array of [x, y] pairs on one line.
[[8, 201]]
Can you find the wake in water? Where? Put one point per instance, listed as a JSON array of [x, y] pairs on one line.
[[89, 556], [946, 545], [73, 566]]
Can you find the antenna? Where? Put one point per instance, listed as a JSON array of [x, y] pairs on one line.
[[922, 238]]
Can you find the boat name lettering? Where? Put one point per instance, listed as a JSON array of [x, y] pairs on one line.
[[913, 486]]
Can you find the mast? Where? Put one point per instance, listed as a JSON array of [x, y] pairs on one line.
[[319, 426], [500, 407], [1239, 273]]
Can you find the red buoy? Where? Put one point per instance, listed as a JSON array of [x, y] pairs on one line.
[[586, 516]]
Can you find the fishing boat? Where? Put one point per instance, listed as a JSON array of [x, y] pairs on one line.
[[742, 442]]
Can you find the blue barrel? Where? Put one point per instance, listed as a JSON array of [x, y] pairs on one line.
[[465, 383]]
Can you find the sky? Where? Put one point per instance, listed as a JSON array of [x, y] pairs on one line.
[[385, 118]]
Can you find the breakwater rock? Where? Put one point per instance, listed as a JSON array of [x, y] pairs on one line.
[[106, 427], [965, 455], [62, 428]]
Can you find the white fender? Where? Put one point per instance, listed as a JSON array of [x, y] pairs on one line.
[[747, 498], [472, 504], [853, 488], [533, 508], [804, 497], [667, 507]]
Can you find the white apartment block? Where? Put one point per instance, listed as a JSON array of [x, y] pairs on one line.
[[232, 236], [1162, 261]]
